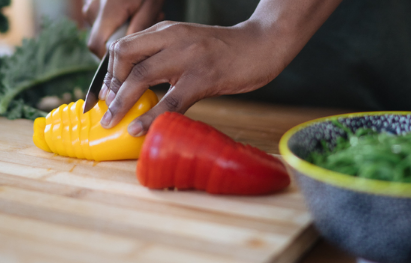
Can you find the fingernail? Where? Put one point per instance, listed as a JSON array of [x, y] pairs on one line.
[[105, 121], [135, 129], [110, 97], [103, 92]]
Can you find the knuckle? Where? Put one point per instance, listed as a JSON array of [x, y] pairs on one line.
[[199, 47], [140, 72], [146, 120], [180, 29], [115, 84], [107, 79], [147, 124], [164, 24], [120, 49], [112, 48], [117, 105], [172, 103]]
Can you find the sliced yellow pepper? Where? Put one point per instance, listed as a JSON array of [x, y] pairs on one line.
[[66, 131]]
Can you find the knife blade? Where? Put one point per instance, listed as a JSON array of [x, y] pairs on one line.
[[97, 82]]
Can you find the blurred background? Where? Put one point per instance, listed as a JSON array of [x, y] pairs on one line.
[[356, 60], [25, 18]]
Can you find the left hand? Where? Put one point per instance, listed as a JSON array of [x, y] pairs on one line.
[[106, 16]]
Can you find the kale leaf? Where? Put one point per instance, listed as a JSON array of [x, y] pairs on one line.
[[55, 62]]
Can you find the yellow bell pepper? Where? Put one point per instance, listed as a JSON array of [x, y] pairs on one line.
[[66, 131]]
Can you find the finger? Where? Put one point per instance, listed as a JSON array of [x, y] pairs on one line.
[[109, 76], [111, 83], [104, 89], [146, 16], [90, 10], [178, 99], [128, 52], [145, 74], [110, 17]]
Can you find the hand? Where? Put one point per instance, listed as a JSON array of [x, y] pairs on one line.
[[204, 61], [107, 15], [198, 62]]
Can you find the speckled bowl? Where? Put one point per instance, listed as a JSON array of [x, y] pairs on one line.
[[368, 218]]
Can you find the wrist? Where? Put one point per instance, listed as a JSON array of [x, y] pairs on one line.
[[286, 26], [272, 45]]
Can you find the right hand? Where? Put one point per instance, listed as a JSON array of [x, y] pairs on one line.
[[106, 16], [198, 61]]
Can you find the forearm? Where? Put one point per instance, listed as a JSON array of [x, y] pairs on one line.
[[287, 25]]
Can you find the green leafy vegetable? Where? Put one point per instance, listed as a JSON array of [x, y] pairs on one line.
[[55, 62], [20, 110], [368, 154]]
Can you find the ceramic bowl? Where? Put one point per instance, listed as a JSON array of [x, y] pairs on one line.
[[369, 218]]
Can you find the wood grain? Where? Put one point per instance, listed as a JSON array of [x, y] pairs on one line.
[[58, 209]]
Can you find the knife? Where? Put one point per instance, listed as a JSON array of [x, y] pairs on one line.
[[97, 82]]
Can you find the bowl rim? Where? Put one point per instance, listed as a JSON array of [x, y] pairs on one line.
[[372, 186]]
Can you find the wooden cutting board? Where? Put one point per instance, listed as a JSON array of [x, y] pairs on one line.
[[58, 209]]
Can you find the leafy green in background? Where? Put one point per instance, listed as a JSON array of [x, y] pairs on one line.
[[55, 62], [4, 22], [368, 154]]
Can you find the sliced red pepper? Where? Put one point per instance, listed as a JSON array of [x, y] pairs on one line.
[[186, 154]]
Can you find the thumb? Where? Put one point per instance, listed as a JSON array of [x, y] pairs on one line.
[[176, 99]]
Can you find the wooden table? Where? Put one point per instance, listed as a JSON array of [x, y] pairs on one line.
[[262, 125], [41, 193]]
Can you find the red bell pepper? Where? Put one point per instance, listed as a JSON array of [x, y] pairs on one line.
[[187, 154]]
